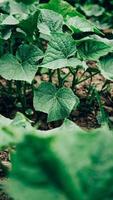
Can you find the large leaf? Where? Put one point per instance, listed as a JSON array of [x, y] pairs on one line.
[[60, 48], [49, 22], [93, 48], [56, 103], [106, 66], [66, 164], [25, 68], [62, 7]]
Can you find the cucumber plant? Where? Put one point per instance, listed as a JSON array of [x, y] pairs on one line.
[[37, 37]]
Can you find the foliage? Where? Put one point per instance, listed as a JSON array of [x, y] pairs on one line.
[[65, 163], [100, 11], [49, 44], [57, 103], [62, 164]]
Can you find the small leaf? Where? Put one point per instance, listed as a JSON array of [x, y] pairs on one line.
[[49, 22], [80, 24], [11, 69], [106, 66], [93, 48], [30, 21], [60, 49], [92, 10], [29, 53], [12, 131], [58, 104], [10, 20]]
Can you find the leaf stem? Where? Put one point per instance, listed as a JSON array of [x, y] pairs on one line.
[[74, 79], [20, 96], [88, 77], [50, 74], [59, 77]]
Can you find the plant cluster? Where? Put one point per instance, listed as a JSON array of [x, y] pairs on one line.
[[65, 163], [44, 38]]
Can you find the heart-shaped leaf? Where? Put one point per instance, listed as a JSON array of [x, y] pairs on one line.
[[23, 68], [58, 104]]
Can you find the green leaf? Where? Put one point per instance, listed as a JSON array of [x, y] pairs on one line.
[[12, 131], [11, 69], [106, 66], [4, 121], [27, 16], [19, 9], [19, 121], [10, 20], [77, 159], [38, 181], [30, 21], [60, 48], [92, 10], [58, 104], [80, 24], [29, 54], [93, 48], [24, 66], [62, 7], [49, 22]]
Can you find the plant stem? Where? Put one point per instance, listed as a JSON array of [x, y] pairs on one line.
[[59, 78], [103, 114], [10, 87], [50, 74], [20, 96], [64, 78], [24, 94], [74, 79], [85, 79]]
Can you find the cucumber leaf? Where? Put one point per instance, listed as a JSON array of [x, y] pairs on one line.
[[64, 164], [92, 48], [50, 21], [23, 68], [58, 104], [106, 66], [61, 7], [80, 24], [59, 52]]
